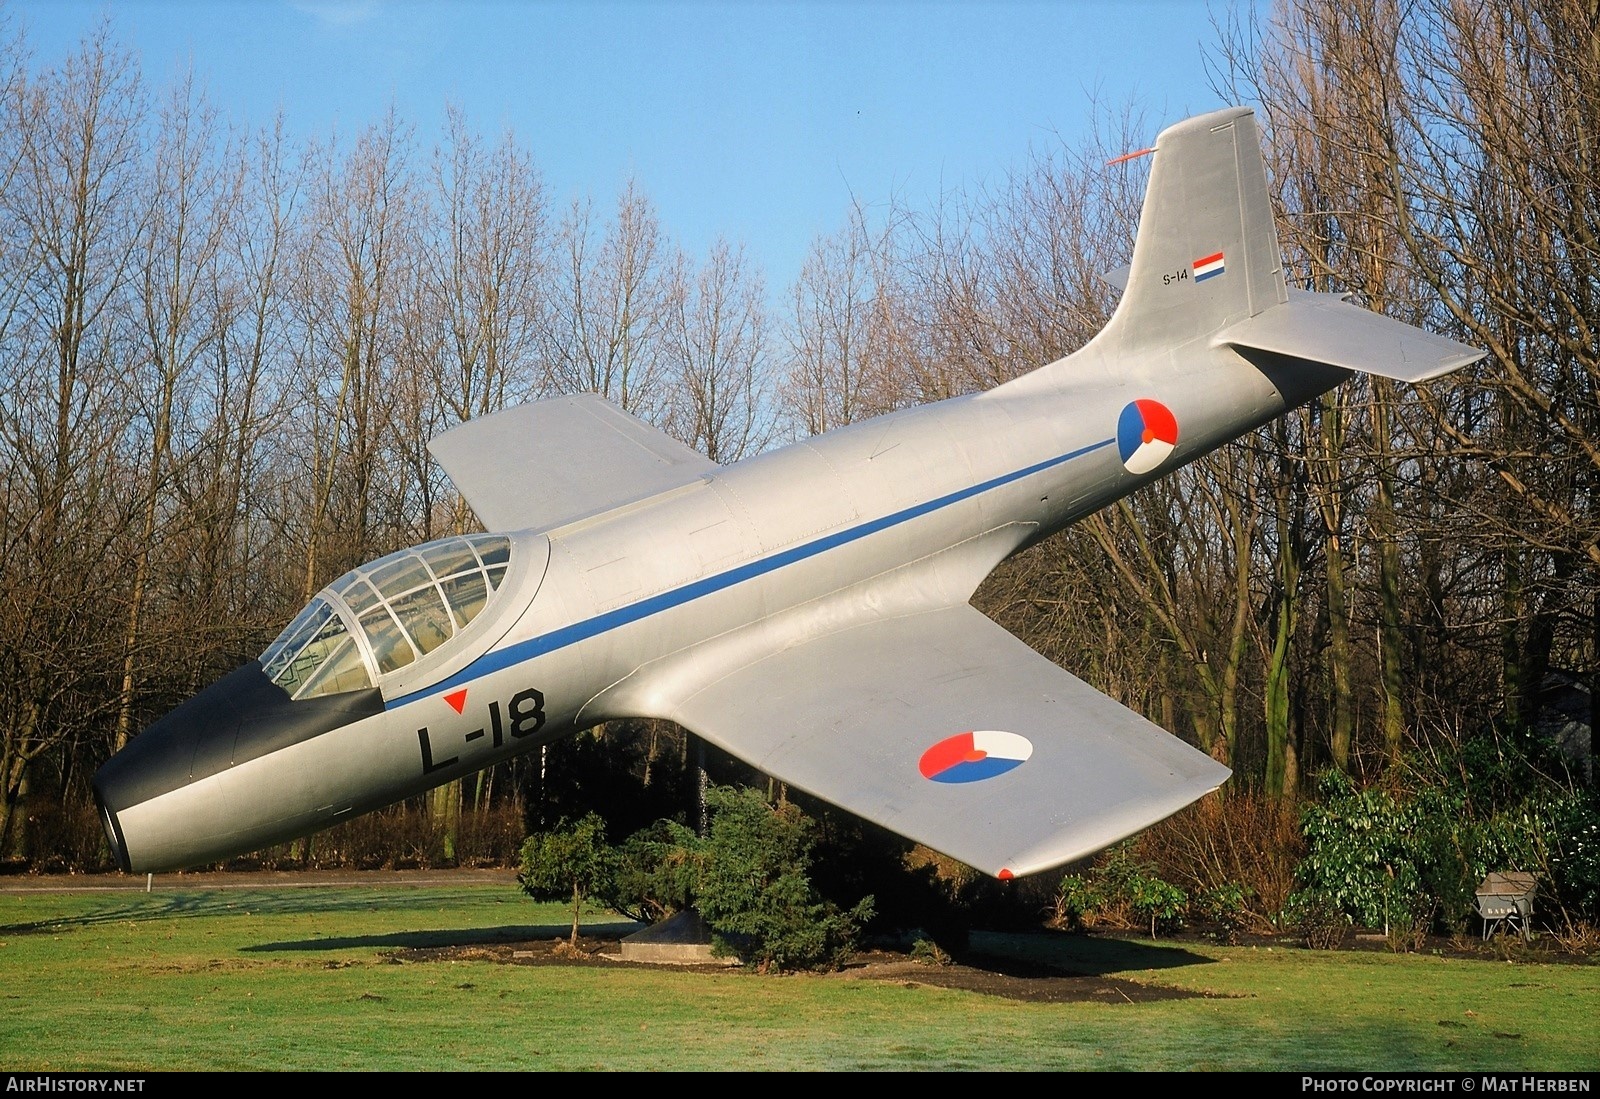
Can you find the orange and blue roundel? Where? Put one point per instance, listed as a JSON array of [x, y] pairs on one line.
[[1147, 433], [975, 756]]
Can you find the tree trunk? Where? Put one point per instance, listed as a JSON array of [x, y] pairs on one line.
[[1391, 624]]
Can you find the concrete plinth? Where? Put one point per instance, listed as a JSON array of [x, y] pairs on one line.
[[680, 939]]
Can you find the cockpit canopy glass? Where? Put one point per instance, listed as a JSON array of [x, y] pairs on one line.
[[382, 616]]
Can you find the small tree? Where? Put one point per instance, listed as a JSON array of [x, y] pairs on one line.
[[572, 860], [755, 890]]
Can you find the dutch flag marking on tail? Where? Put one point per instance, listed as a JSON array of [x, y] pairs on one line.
[[1207, 266]]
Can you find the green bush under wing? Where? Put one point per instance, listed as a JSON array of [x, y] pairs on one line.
[[755, 891], [658, 871], [572, 861], [749, 878]]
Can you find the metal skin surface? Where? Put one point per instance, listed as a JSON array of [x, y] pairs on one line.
[[807, 609]]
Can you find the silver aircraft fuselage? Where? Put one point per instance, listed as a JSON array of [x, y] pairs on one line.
[[932, 497], [806, 609]]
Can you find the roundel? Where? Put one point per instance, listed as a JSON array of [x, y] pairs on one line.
[[975, 756], [1147, 432]]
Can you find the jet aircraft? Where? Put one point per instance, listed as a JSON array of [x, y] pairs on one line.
[[807, 609]]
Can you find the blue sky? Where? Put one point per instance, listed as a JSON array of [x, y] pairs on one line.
[[756, 121]]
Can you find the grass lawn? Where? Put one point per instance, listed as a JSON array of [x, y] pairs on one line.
[[305, 979]]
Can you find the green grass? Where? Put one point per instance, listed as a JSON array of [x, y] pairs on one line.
[[302, 979]]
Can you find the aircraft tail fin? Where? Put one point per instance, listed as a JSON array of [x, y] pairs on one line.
[[1206, 265], [1206, 255]]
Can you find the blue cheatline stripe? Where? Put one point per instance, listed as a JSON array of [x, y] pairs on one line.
[[499, 659]]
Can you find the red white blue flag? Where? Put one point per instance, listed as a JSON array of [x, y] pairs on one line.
[[1207, 266]]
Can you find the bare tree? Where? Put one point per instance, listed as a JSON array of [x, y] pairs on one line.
[[608, 305], [180, 248], [1438, 160], [471, 328], [351, 271], [240, 509], [830, 342], [473, 320], [70, 209], [717, 349]]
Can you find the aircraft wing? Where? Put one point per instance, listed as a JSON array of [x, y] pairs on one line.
[[1326, 328], [539, 465], [943, 727]]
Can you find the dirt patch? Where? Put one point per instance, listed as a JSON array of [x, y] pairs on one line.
[[1012, 980]]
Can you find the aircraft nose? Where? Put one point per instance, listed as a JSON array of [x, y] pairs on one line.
[[241, 717], [195, 740]]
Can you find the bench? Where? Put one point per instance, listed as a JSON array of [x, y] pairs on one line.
[[1505, 902]]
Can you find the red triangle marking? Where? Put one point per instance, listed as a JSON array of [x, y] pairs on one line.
[[457, 700]]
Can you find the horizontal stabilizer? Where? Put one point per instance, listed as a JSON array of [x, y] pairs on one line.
[[945, 728], [540, 465], [1325, 328]]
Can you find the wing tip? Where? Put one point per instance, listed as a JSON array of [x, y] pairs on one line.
[[1133, 819]]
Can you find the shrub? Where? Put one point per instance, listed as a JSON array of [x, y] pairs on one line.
[[1574, 862], [749, 879], [657, 872], [1408, 921], [1236, 852], [1317, 918], [754, 891], [1227, 906], [1368, 852], [924, 951], [1160, 900], [1120, 891], [1410, 863], [1078, 902]]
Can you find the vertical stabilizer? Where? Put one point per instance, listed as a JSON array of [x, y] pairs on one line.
[[1207, 251]]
